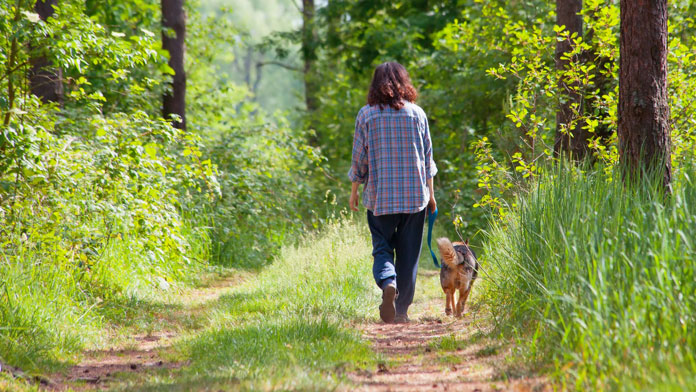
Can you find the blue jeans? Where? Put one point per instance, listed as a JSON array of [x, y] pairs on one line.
[[402, 233]]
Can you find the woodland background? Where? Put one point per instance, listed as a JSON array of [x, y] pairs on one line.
[[106, 200]]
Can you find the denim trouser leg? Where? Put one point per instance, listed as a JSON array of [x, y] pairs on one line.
[[403, 233]]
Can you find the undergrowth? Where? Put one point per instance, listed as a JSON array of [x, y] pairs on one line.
[[52, 306], [91, 219]]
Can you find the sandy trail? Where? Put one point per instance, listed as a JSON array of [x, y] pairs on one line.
[[439, 354], [98, 368]]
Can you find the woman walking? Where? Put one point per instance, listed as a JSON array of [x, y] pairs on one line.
[[392, 157]]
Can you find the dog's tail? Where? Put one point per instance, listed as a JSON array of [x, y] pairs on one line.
[[449, 255]]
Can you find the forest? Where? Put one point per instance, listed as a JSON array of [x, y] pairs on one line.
[[174, 198]]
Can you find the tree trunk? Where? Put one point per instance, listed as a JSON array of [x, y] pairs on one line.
[[247, 66], [644, 139], [570, 135], [174, 18], [46, 82], [309, 39], [9, 70]]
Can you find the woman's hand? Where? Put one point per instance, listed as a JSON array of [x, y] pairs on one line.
[[432, 204], [354, 200]]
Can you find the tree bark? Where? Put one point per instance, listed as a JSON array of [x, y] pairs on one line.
[[575, 139], [644, 139], [174, 18], [309, 55], [11, 59], [45, 81]]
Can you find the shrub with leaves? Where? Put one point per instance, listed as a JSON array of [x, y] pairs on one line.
[[92, 189]]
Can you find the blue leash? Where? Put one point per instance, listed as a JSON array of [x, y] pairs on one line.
[[431, 222]]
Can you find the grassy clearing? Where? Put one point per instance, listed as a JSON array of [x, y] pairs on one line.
[[287, 328], [598, 280]]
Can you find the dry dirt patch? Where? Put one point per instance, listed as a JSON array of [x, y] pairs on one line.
[[98, 369], [141, 352]]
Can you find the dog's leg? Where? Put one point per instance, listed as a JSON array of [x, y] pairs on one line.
[[460, 302], [463, 296], [449, 301]]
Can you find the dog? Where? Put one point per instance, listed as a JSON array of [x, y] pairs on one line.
[[459, 271]]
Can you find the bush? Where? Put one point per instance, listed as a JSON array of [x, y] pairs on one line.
[[269, 192], [88, 217]]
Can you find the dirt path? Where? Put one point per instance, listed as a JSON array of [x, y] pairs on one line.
[[432, 353], [99, 367], [439, 353], [144, 352]]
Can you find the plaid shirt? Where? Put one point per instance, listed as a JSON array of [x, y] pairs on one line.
[[393, 157]]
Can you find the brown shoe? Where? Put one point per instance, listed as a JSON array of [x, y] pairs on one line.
[[402, 319], [387, 310]]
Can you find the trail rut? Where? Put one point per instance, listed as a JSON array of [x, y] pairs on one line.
[[439, 354]]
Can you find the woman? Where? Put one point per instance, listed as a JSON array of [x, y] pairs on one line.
[[392, 157]]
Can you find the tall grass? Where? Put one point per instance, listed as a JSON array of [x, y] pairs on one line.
[[599, 278], [53, 303]]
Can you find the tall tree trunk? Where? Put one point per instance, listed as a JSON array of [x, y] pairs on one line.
[[174, 18], [247, 66], [574, 140], [9, 70], [644, 139], [309, 55], [46, 82]]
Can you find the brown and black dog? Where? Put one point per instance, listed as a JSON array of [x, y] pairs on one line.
[[458, 272]]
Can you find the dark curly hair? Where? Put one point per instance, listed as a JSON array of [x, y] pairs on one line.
[[390, 86]]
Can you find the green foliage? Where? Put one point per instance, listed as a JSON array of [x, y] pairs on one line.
[[91, 218], [271, 77], [54, 303], [524, 143], [91, 191], [117, 66], [597, 277], [269, 195], [682, 85]]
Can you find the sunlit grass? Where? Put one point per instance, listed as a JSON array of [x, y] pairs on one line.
[[290, 326], [447, 343], [598, 279]]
